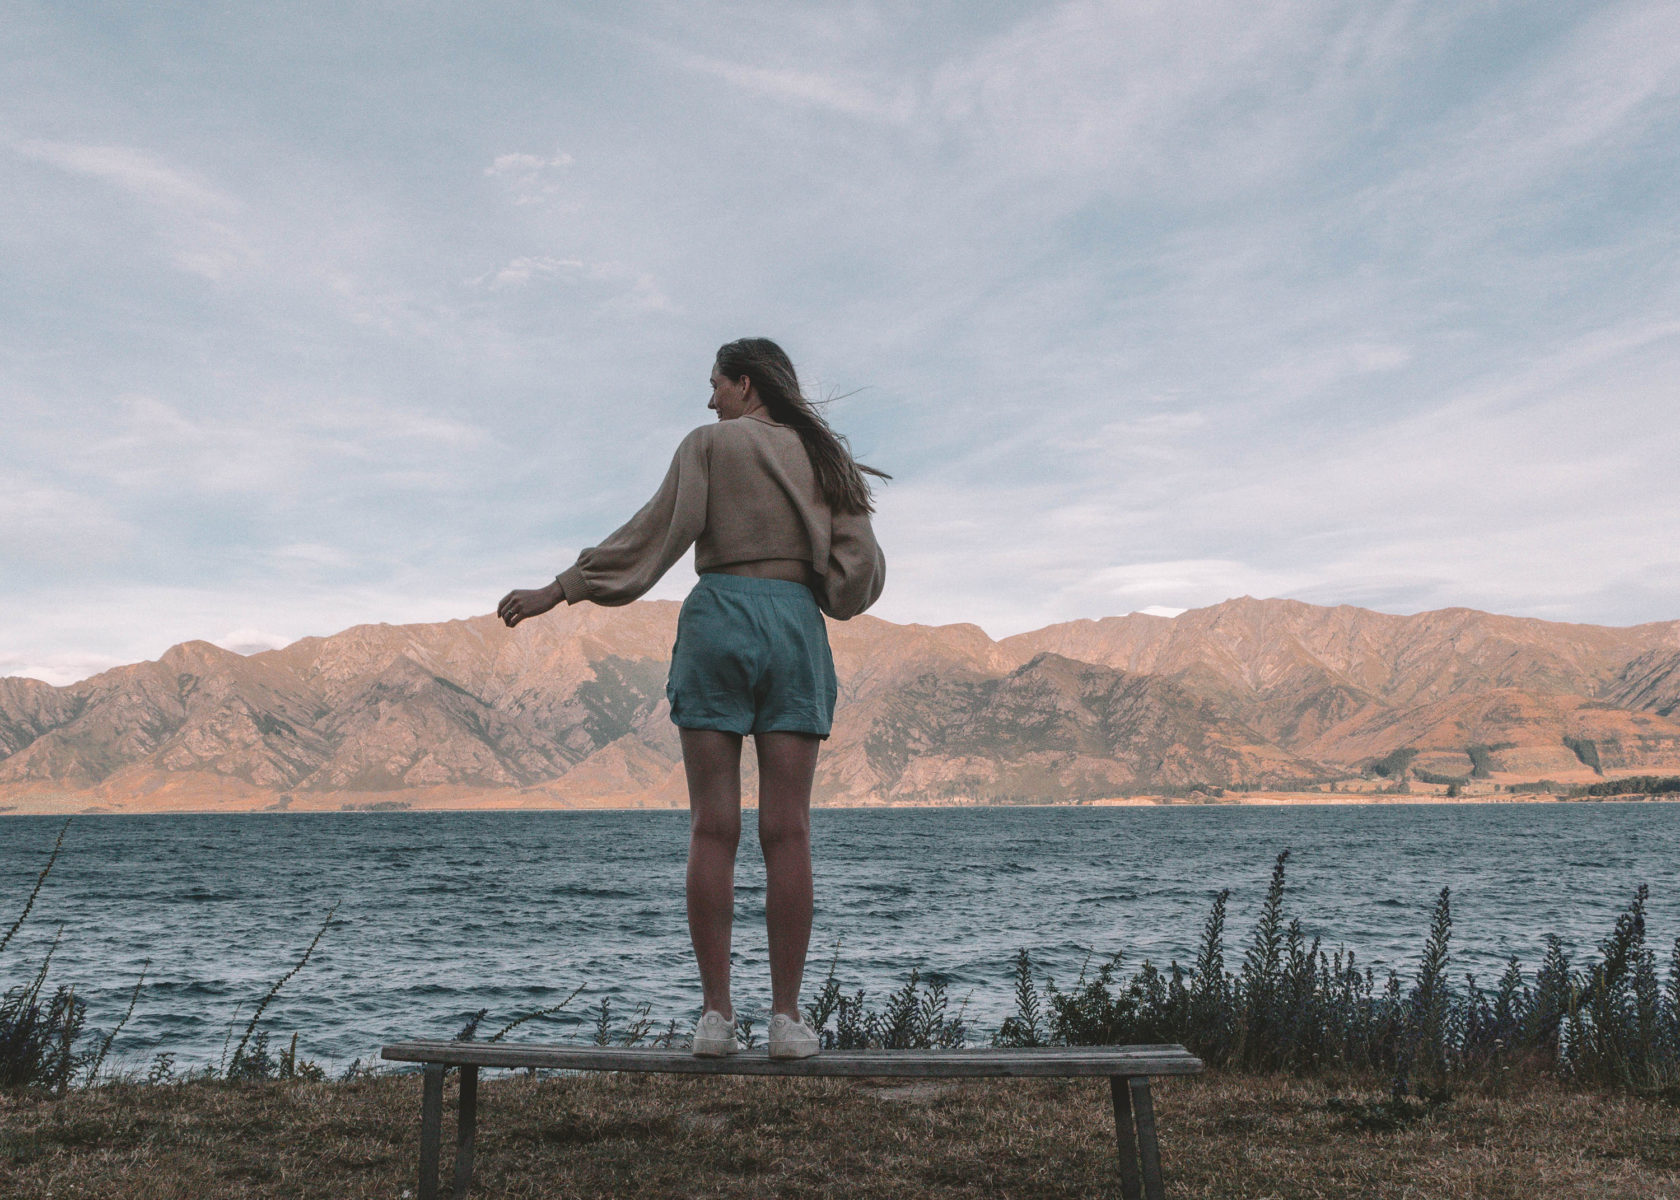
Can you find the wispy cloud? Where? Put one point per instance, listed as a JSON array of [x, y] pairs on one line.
[[251, 641], [134, 171], [272, 448], [47, 527], [1608, 85], [531, 178], [1212, 96], [198, 219], [614, 282], [874, 99], [526, 164], [60, 670]]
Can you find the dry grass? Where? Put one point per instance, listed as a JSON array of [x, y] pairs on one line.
[[1224, 1135]]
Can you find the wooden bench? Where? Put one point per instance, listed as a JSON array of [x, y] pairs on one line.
[[1128, 1068]]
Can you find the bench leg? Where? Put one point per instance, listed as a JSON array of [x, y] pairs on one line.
[[1130, 1187], [1148, 1150], [431, 1127], [464, 1134]]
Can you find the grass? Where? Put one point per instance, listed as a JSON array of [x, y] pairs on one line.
[[1226, 1135]]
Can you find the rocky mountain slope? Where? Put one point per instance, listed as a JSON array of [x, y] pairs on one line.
[[570, 709], [1347, 686]]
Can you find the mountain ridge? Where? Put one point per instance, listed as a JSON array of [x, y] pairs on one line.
[[570, 710]]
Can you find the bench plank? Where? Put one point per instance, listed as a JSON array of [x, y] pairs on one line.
[[466, 1130], [1022, 1063], [431, 1123], [1131, 1187], [1143, 1109], [1128, 1068]]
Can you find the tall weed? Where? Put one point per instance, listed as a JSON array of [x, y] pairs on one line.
[[1292, 1006]]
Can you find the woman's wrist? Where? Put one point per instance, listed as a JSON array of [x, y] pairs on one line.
[[569, 586]]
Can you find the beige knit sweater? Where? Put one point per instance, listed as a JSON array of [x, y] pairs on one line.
[[737, 491]]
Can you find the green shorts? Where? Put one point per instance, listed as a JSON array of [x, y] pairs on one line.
[[752, 656]]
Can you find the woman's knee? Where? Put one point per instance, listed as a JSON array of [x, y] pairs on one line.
[[721, 828], [784, 830]]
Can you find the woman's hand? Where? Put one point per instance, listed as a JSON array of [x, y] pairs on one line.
[[521, 603]]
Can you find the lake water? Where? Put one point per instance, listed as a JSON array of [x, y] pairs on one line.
[[442, 914]]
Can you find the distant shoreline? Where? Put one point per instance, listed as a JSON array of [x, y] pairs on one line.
[[78, 807]]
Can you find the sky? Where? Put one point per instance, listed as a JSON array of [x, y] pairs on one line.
[[318, 315]]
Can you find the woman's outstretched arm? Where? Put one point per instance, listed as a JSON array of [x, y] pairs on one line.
[[630, 561]]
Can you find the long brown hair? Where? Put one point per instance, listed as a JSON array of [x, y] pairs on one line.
[[839, 475]]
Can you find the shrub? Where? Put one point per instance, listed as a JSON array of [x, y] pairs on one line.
[[1586, 750], [38, 1033], [1635, 785], [1393, 764], [38, 1036], [1294, 1007]]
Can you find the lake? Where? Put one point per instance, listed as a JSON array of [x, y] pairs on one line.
[[441, 914]]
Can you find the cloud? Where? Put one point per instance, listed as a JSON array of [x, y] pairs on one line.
[[45, 526], [1487, 495], [198, 219], [251, 641], [1193, 577], [270, 448], [314, 556], [853, 97], [531, 178], [278, 611], [526, 164], [1606, 86], [521, 271], [1217, 95], [1158, 437], [134, 171], [1308, 370], [60, 670], [611, 282]]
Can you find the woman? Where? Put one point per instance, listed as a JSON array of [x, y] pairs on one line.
[[778, 513]]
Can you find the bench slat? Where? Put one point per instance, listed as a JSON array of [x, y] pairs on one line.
[[1044, 1061]]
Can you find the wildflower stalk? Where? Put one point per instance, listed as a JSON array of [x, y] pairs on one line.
[[262, 1005], [105, 1048], [36, 890], [531, 1016]]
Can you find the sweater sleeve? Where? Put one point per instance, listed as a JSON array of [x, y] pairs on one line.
[[634, 557], [857, 570]]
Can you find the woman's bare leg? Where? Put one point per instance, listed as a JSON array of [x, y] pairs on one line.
[[786, 764], [712, 761]]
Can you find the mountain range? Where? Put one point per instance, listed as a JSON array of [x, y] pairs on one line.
[[569, 710]]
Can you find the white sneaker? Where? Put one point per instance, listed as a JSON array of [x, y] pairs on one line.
[[791, 1039], [714, 1036]]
